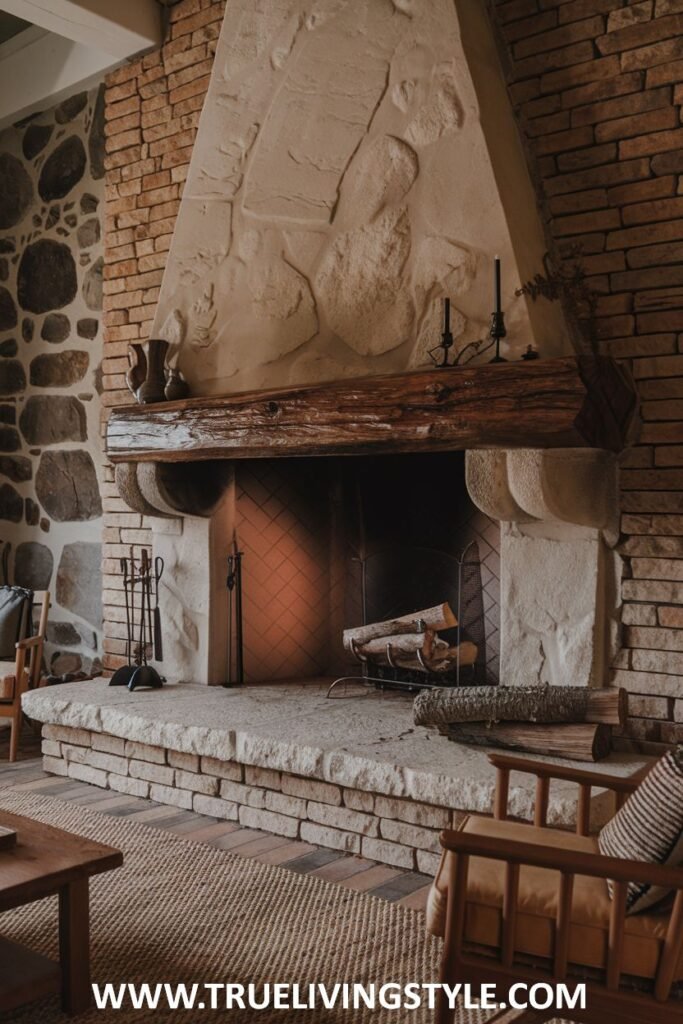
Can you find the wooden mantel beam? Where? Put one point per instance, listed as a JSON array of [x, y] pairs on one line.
[[574, 402]]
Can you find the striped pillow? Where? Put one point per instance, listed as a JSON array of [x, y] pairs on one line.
[[649, 827]]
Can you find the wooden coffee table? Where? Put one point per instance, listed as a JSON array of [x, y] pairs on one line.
[[45, 862]]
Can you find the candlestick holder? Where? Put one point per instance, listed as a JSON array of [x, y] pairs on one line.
[[497, 330], [439, 355]]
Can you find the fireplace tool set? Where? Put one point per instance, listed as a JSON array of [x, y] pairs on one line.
[[143, 622], [235, 676]]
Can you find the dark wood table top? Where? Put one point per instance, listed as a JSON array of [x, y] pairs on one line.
[[45, 859]]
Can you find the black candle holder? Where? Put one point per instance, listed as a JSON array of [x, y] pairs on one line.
[[440, 355], [497, 330]]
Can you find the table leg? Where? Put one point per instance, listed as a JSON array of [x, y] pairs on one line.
[[74, 946]]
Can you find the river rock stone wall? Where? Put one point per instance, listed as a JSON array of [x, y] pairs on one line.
[[51, 268]]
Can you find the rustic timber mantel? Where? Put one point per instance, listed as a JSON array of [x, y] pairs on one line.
[[573, 402]]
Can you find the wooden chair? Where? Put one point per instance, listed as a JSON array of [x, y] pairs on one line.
[[523, 903], [23, 673]]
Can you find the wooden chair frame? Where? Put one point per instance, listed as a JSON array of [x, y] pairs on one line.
[[606, 1000], [27, 676]]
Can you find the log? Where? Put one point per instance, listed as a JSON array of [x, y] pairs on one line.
[[403, 645], [439, 617], [545, 704], [574, 402], [443, 661], [578, 741]]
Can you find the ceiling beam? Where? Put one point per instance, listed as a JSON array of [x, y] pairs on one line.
[[120, 28], [39, 69]]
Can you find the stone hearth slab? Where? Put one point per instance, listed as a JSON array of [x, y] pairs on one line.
[[367, 743]]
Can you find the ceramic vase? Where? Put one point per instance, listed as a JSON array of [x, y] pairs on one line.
[[152, 389]]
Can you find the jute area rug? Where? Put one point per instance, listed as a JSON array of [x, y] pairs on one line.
[[181, 911]]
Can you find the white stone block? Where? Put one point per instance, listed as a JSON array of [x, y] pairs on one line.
[[222, 769], [109, 744], [279, 824], [158, 773], [145, 752], [311, 789], [52, 748], [74, 755], [79, 737], [171, 795], [86, 773], [133, 787], [388, 853], [359, 800], [206, 784], [186, 762], [55, 765], [107, 762], [409, 835], [342, 817], [413, 812], [265, 777], [428, 863], [214, 807], [251, 796], [294, 806], [333, 838]]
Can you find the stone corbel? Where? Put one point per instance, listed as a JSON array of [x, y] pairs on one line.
[[575, 486], [172, 490], [559, 579]]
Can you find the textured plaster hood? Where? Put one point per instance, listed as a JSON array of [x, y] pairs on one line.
[[356, 161]]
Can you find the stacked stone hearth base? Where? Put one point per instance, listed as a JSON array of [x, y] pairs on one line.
[[352, 774], [404, 833]]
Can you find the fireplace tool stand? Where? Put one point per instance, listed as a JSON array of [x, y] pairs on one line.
[[360, 685], [143, 623]]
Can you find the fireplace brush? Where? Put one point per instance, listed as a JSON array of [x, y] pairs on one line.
[[142, 622]]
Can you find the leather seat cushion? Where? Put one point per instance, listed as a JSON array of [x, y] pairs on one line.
[[538, 901]]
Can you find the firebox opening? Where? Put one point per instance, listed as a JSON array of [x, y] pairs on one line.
[[330, 544]]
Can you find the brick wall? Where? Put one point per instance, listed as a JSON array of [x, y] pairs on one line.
[[152, 112], [596, 86]]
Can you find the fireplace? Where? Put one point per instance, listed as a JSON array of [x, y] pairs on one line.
[[328, 544]]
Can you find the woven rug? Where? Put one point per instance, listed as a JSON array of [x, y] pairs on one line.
[[181, 911]]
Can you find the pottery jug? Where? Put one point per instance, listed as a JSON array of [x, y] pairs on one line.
[[176, 385], [152, 388]]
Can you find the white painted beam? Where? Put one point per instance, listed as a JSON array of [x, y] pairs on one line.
[[38, 69], [120, 28]]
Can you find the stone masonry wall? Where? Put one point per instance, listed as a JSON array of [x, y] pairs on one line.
[[152, 108], [596, 84], [51, 191], [404, 833]]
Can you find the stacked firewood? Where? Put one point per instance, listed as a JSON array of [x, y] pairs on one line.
[[411, 642], [561, 721]]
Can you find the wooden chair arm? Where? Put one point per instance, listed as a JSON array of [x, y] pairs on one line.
[[596, 865], [32, 641], [544, 772], [618, 783]]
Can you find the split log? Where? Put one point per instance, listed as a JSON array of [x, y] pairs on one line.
[[545, 704], [442, 661], [403, 645], [436, 618], [582, 741]]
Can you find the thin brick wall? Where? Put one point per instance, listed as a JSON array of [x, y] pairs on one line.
[[597, 87], [152, 112]]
